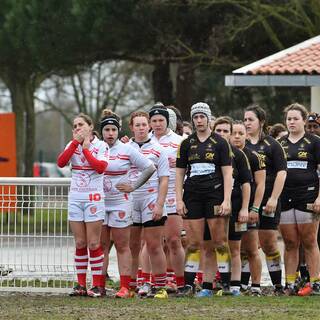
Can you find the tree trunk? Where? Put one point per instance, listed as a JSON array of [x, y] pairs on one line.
[[161, 83], [21, 91], [185, 89]]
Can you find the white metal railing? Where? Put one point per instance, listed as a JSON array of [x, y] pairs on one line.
[[36, 248]]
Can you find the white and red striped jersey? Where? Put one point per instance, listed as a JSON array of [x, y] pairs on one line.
[[170, 142], [121, 157], [155, 153], [87, 183]]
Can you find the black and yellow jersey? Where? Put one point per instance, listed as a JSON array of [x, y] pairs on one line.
[[241, 171], [303, 158], [203, 161], [272, 154]]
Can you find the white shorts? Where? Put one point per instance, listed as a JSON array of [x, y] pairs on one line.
[[119, 216], [171, 204], [86, 211], [142, 208], [294, 216]]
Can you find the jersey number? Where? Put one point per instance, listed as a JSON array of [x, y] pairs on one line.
[[95, 197]]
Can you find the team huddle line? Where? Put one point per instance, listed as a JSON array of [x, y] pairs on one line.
[[187, 206]]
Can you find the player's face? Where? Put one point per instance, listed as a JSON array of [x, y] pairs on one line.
[[110, 134], [223, 130], [159, 124], [140, 128], [295, 122], [313, 127], [200, 122], [187, 130], [81, 126], [238, 136], [251, 123]]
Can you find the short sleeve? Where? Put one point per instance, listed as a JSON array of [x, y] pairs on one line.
[[182, 155]]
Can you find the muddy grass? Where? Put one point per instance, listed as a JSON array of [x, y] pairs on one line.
[[21, 306]]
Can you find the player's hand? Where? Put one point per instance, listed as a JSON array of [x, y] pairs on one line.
[[271, 205], [124, 187], [253, 217], [243, 216], [181, 208], [316, 205], [157, 212], [225, 208]]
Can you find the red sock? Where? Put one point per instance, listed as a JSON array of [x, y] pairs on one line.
[[96, 263], [139, 277], [103, 280], [146, 277], [125, 281], [81, 263], [180, 282], [133, 284], [160, 280], [152, 279], [200, 277], [170, 275]]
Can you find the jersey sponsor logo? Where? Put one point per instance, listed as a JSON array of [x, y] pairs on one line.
[[82, 180], [194, 157], [297, 164], [121, 214], [302, 154], [170, 201], [194, 146], [209, 156], [200, 169], [93, 210]]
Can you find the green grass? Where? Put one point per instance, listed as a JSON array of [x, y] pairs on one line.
[[19, 306], [39, 221]]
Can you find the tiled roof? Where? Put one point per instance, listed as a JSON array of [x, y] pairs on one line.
[[303, 58]]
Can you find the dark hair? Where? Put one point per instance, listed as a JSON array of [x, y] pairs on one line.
[[261, 115], [276, 129], [297, 107], [223, 120], [187, 124]]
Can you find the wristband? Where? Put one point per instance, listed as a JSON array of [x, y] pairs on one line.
[[254, 209]]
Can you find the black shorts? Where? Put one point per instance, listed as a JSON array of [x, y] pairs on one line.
[[151, 223], [235, 232], [298, 198], [202, 205], [269, 222]]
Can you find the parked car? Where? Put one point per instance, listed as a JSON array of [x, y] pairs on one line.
[[50, 169]]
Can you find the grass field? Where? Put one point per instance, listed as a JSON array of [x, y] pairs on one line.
[[32, 307]]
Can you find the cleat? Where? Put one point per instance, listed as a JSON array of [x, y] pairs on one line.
[[316, 288], [205, 293], [186, 291], [255, 292], [171, 287], [123, 293], [279, 291], [94, 292], [78, 291], [290, 289], [305, 291], [144, 290], [161, 294], [235, 292]]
